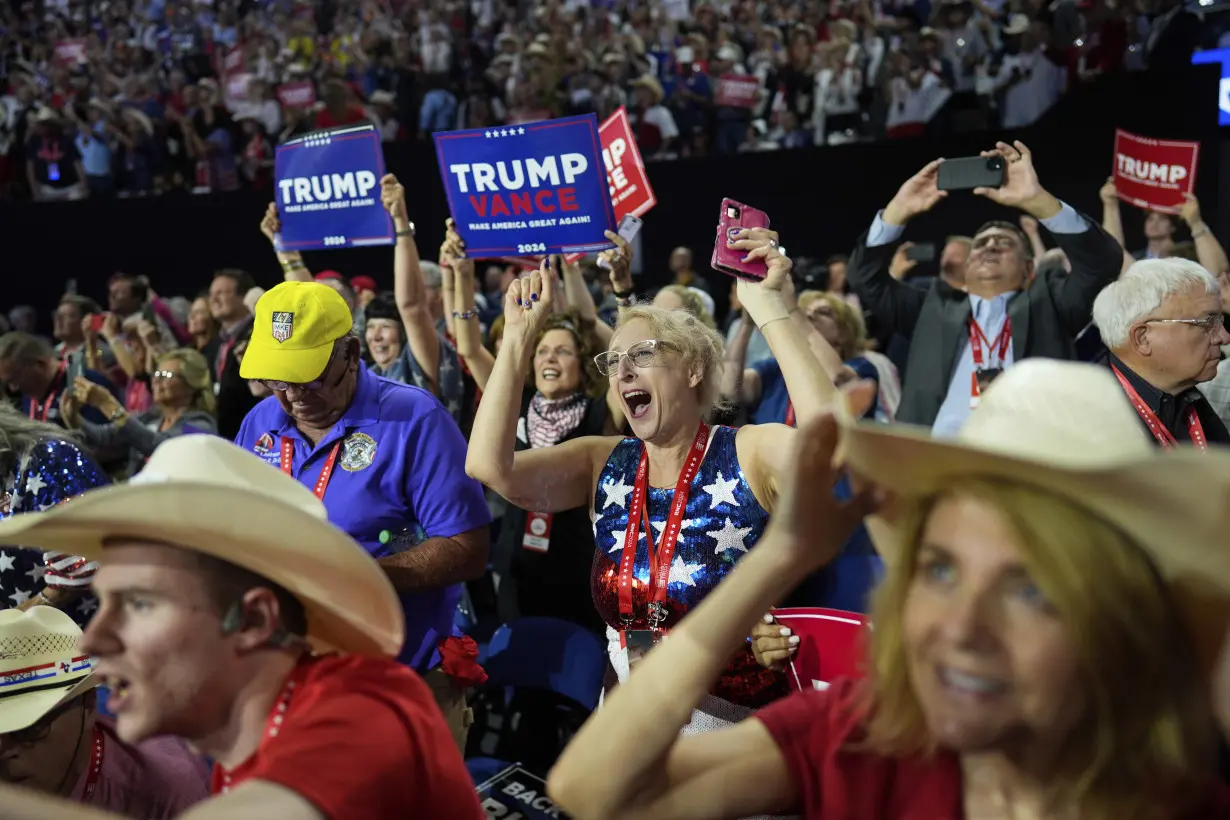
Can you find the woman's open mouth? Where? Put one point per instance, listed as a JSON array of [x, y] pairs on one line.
[[638, 402], [550, 374]]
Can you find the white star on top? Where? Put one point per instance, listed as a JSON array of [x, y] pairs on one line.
[[682, 572], [621, 536], [21, 596], [35, 483], [722, 492], [520, 130], [36, 572], [660, 526], [454, 407], [488, 135], [87, 606], [730, 537], [503, 132], [446, 367], [616, 493], [6, 561]]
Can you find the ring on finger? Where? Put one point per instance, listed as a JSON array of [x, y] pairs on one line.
[[773, 243]]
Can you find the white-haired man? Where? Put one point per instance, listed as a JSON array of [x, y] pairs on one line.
[[235, 616], [1163, 323]]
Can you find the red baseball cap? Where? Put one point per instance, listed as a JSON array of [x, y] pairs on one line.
[[329, 274], [363, 283]]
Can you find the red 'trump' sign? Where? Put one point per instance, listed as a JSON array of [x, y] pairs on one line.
[[831, 645], [738, 91], [1154, 174]]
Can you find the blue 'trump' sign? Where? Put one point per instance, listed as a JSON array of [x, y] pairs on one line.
[[534, 189], [327, 186]]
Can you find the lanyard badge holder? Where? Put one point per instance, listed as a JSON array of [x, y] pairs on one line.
[[984, 374]]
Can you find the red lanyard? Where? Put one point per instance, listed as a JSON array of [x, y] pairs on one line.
[[92, 774], [789, 413], [660, 559], [326, 472], [977, 339], [277, 716], [1166, 438], [43, 408]]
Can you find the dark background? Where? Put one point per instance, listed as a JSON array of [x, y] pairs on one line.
[[820, 199]]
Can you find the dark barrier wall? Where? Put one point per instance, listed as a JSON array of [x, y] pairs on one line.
[[819, 199]]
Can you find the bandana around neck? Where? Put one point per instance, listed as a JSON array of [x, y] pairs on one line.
[[549, 420]]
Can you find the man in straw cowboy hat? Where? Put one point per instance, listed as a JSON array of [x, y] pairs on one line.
[[53, 740], [222, 585], [1057, 593]]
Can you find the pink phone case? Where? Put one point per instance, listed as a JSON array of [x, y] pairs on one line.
[[734, 217]]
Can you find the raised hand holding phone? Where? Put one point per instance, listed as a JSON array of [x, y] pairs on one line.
[[733, 218], [764, 299]]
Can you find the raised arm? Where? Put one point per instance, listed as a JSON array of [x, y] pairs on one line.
[[1209, 251], [728, 773], [581, 302], [1112, 220], [894, 304], [293, 267], [409, 289], [740, 386], [546, 479], [618, 261], [468, 334]]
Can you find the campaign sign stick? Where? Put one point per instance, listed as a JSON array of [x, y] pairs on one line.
[[518, 795], [1154, 174], [527, 189], [831, 645], [327, 189]]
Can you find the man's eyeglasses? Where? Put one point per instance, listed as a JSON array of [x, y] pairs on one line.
[[38, 732], [642, 354], [306, 387], [1209, 324]]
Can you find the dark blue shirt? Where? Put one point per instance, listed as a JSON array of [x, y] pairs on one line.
[[48, 408]]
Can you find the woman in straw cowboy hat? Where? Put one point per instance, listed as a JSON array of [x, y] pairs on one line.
[[221, 581], [54, 741], [1042, 639]]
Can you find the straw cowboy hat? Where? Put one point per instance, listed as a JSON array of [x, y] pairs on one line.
[[651, 84], [1017, 24], [204, 494], [41, 665], [1067, 428]]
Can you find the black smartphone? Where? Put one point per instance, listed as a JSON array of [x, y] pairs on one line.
[[922, 252], [73, 367], [967, 173]]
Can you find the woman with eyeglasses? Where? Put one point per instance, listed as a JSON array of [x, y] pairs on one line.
[[686, 499], [182, 389]]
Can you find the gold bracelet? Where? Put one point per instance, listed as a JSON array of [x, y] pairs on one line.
[[771, 321]]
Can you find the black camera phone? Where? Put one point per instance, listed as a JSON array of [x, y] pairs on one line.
[[967, 173]]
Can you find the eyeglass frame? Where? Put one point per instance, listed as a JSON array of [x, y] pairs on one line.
[[306, 387], [1209, 324], [164, 374], [607, 369]]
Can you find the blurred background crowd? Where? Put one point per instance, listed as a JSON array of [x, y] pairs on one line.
[[137, 97]]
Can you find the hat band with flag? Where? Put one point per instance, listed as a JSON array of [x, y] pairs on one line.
[[50, 674]]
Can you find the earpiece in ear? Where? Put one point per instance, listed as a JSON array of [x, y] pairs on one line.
[[232, 619]]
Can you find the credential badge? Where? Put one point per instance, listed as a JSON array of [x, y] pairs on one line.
[[283, 325], [358, 452]]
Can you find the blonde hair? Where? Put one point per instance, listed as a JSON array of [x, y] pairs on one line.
[[195, 372], [849, 321], [1148, 719], [692, 303], [699, 344]]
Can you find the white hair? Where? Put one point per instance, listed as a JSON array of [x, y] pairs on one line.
[[1141, 290], [433, 277]]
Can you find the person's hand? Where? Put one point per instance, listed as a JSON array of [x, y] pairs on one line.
[[772, 644], [393, 197], [1029, 226], [87, 328], [271, 225], [1191, 211], [619, 262], [70, 410], [88, 393], [918, 195], [1021, 188], [148, 333], [1108, 194], [763, 300], [902, 264], [453, 253], [111, 327], [527, 305], [790, 296], [808, 522]]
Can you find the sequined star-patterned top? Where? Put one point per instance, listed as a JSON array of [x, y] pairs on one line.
[[721, 522], [52, 472]]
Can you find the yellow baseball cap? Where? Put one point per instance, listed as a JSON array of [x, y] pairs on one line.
[[294, 331]]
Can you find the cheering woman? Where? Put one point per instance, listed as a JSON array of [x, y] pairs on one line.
[[677, 505], [1056, 595]]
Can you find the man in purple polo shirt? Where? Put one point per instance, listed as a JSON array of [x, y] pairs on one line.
[[386, 459]]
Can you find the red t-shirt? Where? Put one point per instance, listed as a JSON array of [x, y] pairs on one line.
[[362, 739], [813, 730]]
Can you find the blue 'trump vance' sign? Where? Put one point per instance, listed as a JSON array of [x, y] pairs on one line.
[[537, 188], [327, 187]]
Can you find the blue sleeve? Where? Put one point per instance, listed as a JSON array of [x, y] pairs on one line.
[[445, 501], [1067, 221], [882, 233], [867, 371], [770, 373]]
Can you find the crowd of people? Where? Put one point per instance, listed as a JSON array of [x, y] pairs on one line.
[[240, 525], [135, 98]]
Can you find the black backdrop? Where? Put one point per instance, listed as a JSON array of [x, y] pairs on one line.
[[819, 199]]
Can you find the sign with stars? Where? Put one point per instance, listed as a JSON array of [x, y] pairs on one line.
[[327, 189], [532, 189]]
